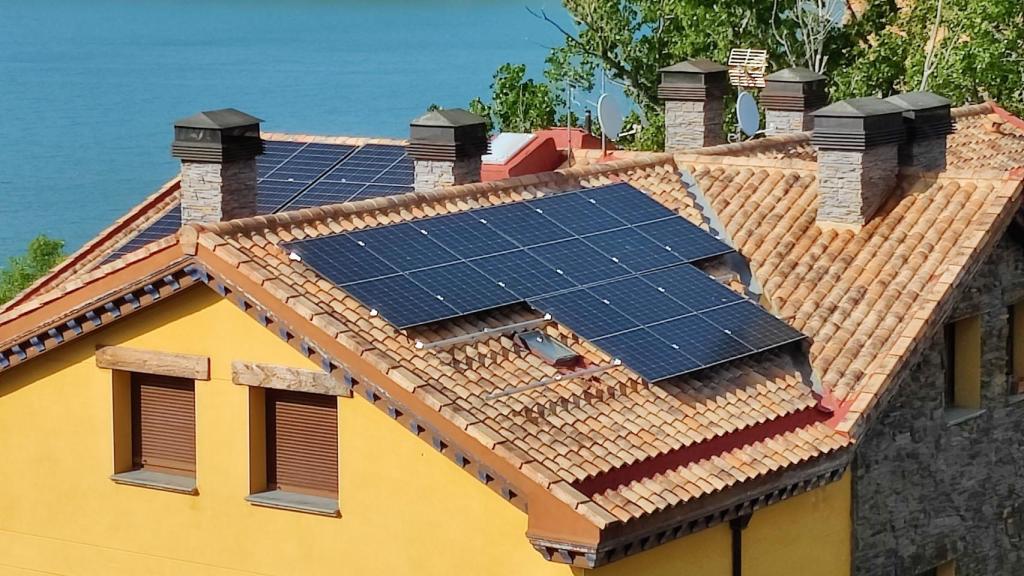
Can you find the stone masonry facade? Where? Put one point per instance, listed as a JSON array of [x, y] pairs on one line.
[[788, 121], [852, 184], [434, 174], [693, 124], [927, 488], [212, 192]]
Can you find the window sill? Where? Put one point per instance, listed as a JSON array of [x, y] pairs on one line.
[[956, 416], [157, 481], [1014, 399], [295, 502]]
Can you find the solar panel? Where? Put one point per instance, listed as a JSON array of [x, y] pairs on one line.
[[611, 268], [371, 171], [164, 226], [310, 162], [272, 194], [274, 154]]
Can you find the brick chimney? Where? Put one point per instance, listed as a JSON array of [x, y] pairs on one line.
[[857, 142], [928, 123], [218, 152], [447, 146], [694, 93], [789, 98]]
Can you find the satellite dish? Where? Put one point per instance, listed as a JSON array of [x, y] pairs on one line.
[[609, 116], [747, 114]]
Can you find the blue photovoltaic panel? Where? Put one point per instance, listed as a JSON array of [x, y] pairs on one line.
[[325, 193], [371, 171], [751, 325], [628, 206], [685, 239], [272, 194], [648, 355], [378, 190], [463, 287], [164, 226], [401, 301], [465, 235], [581, 262], [522, 274], [611, 268], [274, 154], [577, 214], [639, 300], [403, 246], [341, 259], [633, 250], [693, 288], [310, 163], [585, 313]]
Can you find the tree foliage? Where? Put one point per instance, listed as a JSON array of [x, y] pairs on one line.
[[966, 50], [43, 254]]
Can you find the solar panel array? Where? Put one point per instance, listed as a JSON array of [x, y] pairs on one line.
[[610, 263], [294, 175], [164, 226]]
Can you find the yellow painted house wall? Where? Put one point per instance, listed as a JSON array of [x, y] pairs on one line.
[[808, 534], [405, 508]]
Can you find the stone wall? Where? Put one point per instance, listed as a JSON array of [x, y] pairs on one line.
[[212, 192], [853, 184], [927, 489], [788, 121], [433, 174], [693, 124]]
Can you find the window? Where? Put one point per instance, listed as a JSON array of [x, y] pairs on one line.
[[1015, 347], [945, 569], [155, 431], [300, 443], [963, 363], [163, 424]]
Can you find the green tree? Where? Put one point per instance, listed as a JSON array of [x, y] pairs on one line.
[[967, 50], [43, 254]]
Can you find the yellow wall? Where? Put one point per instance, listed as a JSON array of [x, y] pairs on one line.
[[808, 534], [967, 373], [405, 508]]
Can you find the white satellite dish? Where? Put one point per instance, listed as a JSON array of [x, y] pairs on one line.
[[747, 114], [609, 116]]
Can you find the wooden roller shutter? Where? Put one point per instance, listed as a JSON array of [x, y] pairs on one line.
[[302, 442], [163, 423]]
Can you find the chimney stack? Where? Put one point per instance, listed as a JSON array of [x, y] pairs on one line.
[[928, 122], [694, 93], [790, 96], [447, 146], [218, 152], [857, 142]]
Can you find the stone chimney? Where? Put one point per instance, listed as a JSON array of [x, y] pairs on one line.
[[789, 97], [447, 146], [857, 142], [928, 122], [218, 151], [694, 93]]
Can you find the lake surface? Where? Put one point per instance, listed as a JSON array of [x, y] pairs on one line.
[[89, 89]]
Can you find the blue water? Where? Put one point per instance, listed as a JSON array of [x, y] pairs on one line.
[[89, 89]]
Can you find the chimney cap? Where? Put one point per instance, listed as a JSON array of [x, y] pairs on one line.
[[912, 101], [858, 108], [218, 119], [451, 118], [794, 74], [696, 66]]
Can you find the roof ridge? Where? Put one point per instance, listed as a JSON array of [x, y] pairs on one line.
[[749, 145], [973, 110], [557, 177], [329, 139]]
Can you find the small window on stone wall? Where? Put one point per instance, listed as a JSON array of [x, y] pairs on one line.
[[1015, 348], [963, 363], [945, 569]]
